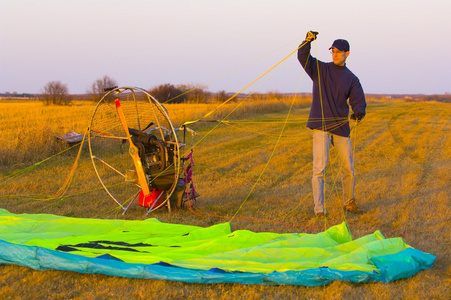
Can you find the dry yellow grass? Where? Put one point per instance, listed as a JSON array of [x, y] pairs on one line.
[[403, 158]]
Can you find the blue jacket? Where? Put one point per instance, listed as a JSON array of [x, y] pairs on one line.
[[338, 84]]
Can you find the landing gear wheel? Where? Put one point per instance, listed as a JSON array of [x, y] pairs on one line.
[[134, 147]]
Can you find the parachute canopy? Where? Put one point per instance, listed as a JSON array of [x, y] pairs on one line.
[[154, 250]]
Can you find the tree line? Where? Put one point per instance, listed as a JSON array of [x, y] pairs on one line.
[[57, 93]]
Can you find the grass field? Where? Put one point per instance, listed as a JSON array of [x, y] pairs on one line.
[[251, 173]]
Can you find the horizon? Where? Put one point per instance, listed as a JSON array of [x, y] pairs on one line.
[[34, 95]]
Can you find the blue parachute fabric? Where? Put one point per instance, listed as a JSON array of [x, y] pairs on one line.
[[403, 264], [393, 267]]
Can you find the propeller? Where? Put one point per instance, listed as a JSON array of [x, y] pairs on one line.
[[133, 150]]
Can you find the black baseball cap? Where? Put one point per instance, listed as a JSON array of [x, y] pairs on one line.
[[341, 45]]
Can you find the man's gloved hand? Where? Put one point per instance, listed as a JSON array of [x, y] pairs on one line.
[[356, 117], [311, 36]]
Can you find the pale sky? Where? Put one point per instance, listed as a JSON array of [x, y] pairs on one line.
[[397, 46]]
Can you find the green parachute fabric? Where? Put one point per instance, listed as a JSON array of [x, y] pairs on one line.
[[155, 250]]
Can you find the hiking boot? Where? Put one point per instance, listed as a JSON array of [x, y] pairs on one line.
[[352, 207]]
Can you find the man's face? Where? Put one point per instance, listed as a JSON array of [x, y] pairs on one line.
[[339, 57]]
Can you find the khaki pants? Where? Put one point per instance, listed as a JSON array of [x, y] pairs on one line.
[[322, 140]]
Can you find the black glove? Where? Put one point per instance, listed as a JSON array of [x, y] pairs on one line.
[[311, 36], [357, 117]]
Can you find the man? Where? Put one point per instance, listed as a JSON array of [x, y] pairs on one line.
[[333, 85]]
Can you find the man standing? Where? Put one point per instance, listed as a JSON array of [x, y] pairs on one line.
[[333, 85]]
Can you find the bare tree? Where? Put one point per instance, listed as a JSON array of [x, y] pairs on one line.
[[221, 96], [168, 92], [56, 93], [196, 93], [181, 93], [98, 87]]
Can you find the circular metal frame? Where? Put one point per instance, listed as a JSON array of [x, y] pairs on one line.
[[114, 167]]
